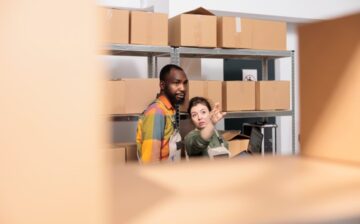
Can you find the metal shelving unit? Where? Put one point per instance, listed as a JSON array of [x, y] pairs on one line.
[[175, 54], [230, 53], [151, 52], [248, 114], [264, 56], [238, 114], [138, 50]]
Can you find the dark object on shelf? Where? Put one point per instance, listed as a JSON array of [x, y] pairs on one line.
[[264, 129]]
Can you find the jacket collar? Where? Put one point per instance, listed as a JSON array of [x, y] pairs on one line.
[[166, 102]]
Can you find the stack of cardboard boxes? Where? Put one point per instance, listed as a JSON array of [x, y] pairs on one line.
[[201, 28], [135, 27], [231, 95], [131, 96], [196, 28], [211, 90]]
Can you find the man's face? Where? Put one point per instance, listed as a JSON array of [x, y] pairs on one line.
[[175, 86]]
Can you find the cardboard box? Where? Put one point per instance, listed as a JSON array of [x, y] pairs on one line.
[[211, 90], [195, 88], [237, 142], [196, 28], [238, 95], [117, 23], [148, 28], [119, 155], [125, 97], [329, 56], [272, 95], [125, 152], [234, 32], [268, 35]]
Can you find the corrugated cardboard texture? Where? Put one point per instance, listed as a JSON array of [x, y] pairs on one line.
[[54, 160], [195, 88], [148, 28], [116, 96], [118, 25], [213, 92], [237, 146], [272, 95], [228, 135], [159, 29], [193, 29], [126, 152], [329, 89], [231, 36], [126, 98], [308, 190], [175, 31], [268, 35], [238, 95], [237, 142], [119, 155]]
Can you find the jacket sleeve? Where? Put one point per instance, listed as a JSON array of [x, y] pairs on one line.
[[152, 133], [194, 144]]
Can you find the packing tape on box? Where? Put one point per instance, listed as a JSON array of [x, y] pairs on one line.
[[197, 33], [238, 24]]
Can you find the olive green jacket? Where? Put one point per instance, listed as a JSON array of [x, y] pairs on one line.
[[195, 145]]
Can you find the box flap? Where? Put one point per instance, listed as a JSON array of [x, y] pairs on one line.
[[229, 135], [233, 135], [200, 11]]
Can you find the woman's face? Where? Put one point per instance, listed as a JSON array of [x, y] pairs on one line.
[[200, 115]]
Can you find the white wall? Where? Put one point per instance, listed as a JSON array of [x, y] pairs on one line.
[[122, 3], [306, 9], [213, 69], [283, 72]]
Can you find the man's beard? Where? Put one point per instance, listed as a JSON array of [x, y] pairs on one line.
[[172, 97]]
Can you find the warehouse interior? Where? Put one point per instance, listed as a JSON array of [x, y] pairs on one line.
[[77, 77]]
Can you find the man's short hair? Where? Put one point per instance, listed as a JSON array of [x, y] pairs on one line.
[[165, 71]]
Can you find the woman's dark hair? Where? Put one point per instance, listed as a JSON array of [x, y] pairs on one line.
[[198, 100]]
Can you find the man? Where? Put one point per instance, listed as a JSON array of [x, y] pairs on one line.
[[157, 130]]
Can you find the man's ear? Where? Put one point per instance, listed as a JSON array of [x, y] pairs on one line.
[[162, 85]]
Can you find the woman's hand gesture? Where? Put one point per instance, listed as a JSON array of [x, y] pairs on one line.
[[216, 114]]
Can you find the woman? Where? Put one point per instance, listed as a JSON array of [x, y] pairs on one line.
[[204, 140]]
